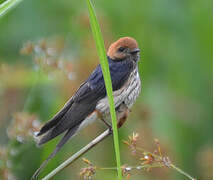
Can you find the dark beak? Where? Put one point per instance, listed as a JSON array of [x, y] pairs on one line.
[[134, 51]]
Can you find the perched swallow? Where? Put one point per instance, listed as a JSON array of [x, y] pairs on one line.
[[90, 100]]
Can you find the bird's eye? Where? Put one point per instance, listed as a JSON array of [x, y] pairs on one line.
[[121, 49]]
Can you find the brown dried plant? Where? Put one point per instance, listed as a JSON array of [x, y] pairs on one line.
[[47, 54], [5, 172], [88, 171], [147, 160], [22, 126]]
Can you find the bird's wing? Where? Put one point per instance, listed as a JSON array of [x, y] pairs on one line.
[[69, 118], [87, 92], [51, 123], [76, 110], [84, 100]]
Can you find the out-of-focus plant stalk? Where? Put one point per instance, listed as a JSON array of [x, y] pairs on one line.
[[8, 5]]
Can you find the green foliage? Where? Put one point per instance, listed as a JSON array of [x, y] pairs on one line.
[[175, 106], [107, 78]]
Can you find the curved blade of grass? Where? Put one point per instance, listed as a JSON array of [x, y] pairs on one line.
[[107, 78], [8, 5]]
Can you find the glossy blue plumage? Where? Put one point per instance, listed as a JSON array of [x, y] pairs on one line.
[[119, 70]]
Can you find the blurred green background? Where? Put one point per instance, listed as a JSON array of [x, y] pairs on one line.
[[47, 50]]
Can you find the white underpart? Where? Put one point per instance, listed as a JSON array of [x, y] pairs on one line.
[[127, 95]]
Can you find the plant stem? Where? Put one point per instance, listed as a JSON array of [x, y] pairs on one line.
[[182, 172], [8, 5], [78, 154], [107, 79]]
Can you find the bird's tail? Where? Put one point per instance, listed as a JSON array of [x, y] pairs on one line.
[[55, 120], [70, 132]]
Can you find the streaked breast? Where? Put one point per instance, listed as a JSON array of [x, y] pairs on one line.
[[127, 94]]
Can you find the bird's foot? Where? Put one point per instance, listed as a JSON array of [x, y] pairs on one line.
[[107, 124]]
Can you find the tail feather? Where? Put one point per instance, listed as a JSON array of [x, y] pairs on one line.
[[66, 137], [54, 131], [56, 119]]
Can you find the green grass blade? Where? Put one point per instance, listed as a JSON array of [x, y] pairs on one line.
[[107, 78], [8, 5]]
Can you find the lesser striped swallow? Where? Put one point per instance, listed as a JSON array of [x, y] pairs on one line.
[[90, 100]]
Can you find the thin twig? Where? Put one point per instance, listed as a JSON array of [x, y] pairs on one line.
[[132, 167], [78, 154], [182, 172]]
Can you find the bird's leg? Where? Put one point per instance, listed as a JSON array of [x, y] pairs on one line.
[[122, 114], [100, 116], [107, 124]]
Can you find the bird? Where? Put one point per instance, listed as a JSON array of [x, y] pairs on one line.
[[90, 101]]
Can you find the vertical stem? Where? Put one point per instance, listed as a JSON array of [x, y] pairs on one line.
[[107, 78]]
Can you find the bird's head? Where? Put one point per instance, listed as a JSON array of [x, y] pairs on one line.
[[125, 48]]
